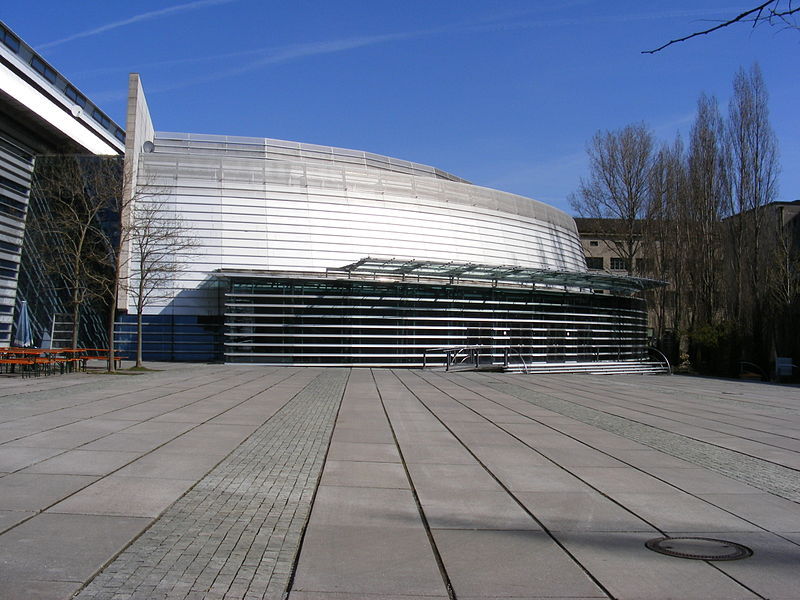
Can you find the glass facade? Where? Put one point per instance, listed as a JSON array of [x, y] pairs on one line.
[[169, 337], [369, 323]]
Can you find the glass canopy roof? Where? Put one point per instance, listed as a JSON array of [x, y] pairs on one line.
[[455, 271]]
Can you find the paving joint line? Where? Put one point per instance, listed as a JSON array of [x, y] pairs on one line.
[[611, 499], [46, 508], [511, 493], [544, 528], [451, 594], [580, 392], [256, 497], [762, 474]]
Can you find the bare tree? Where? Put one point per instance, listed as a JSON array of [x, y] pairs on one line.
[[780, 13], [706, 202], [618, 185], [753, 174], [664, 242], [160, 245], [75, 230]]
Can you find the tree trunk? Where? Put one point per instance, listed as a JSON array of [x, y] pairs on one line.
[[112, 313], [139, 338], [76, 315]]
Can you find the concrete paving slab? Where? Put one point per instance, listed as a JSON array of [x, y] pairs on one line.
[[164, 464], [450, 453], [130, 442], [792, 537], [368, 560], [453, 478], [364, 452], [492, 437], [609, 441], [365, 507], [364, 474], [628, 570], [772, 571], [124, 496], [679, 511], [518, 456], [60, 438], [701, 481], [210, 438], [38, 590], [650, 459], [37, 491], [372, 435], [580, 456], [349, 596], [84, 462], [14, 458], [765, 510], [581, 511], [622, 479], [500, 564], [58, 548], [538, 479], [474, 509], [10, 518]]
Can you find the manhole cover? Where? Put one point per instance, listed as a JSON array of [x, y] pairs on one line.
[[699, 548]]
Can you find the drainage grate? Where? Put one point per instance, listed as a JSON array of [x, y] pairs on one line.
[[699, 548]]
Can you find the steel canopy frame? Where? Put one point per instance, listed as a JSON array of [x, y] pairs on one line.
[[498, 274]]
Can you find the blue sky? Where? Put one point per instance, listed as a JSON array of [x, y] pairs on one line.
[[505, 94]]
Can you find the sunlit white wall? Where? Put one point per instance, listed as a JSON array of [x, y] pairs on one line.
[[250, 210]]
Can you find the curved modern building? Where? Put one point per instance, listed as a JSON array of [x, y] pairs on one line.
[[310, 254]]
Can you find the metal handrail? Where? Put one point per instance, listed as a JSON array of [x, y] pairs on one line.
[[451, 352], [521, 358], [760, 370], [661, 354]]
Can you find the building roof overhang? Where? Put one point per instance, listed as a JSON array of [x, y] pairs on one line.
[[457, 273]]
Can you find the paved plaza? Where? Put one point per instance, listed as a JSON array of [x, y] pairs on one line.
[[221, 482]]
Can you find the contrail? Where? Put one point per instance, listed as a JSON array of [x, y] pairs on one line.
[[155, 14]]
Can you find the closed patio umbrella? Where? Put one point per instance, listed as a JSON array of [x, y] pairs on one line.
[[23, 337]]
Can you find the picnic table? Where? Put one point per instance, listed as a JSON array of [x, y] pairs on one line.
[[38, 361]]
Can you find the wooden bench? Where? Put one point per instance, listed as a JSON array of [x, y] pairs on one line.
[[100, 354], [29, 365]]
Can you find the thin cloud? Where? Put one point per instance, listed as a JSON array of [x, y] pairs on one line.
[[600, 19], [290, 53], [148, 16], [272, 56], [276, 56]]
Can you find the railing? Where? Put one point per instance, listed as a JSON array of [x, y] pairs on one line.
[[472, 353], [663, 357], [764, 376], [506, 353]]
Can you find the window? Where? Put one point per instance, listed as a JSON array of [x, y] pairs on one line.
[[594, 243], [9, 39], [101, 118], [9, 247], [41, 67], [618, 264], [13, 185], [75, 96], [119, 134], [595, 262]]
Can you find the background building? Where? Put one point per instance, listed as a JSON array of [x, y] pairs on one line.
[[41, 113]]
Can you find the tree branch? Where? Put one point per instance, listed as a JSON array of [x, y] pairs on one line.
[[758, 18]]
